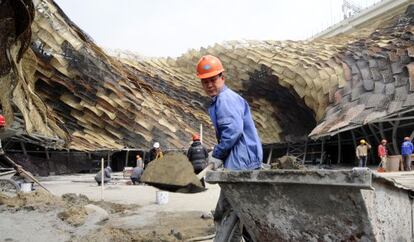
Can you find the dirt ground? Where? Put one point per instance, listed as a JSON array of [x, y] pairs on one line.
[[129, 213]]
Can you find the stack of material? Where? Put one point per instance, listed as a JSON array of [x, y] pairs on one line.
[[66, 89]]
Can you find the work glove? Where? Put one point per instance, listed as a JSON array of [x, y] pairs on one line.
[[216, 162]]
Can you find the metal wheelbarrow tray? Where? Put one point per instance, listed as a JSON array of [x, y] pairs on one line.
[[318, 205]]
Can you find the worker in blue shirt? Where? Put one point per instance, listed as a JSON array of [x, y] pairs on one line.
[[406, 151], [238, 144]]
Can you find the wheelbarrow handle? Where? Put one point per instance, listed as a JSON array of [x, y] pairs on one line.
[[203, 172], [27, 174]]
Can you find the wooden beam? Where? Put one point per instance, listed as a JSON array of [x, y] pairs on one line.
[[269, 157]]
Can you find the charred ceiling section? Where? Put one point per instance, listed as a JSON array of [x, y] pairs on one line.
[[295, 119], [379, 73]]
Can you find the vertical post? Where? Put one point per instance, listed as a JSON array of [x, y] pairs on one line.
[[102, 178], [126, 158], [47, 154], [322, 150], [108, 159], [23, 148], [339, 149], [67, 160], [394, 137], [306, 151], [353, 141], [269, 157], [201, 133]]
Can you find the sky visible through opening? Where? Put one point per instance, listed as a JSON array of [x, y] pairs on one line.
[[161, 28]]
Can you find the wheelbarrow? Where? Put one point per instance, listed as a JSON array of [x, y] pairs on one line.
[[8, 186]]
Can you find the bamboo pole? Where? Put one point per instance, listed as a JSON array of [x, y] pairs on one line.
[[102, 179]]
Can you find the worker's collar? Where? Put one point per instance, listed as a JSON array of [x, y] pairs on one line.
[[213, 99]]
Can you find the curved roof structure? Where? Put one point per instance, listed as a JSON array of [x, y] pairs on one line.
[[60, 89]]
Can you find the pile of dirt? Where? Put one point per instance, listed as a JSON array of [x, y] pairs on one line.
[[74, 216], [39, 199], [173, 173], [112, 208], [169, 227], [287, 162], [75, 200]]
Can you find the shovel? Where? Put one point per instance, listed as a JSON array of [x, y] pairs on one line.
[[27, 174]]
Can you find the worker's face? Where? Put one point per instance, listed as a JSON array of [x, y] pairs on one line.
[[213, 85]]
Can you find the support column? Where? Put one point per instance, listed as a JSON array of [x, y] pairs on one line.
[[322, 150], [339, 149], [306, 150]]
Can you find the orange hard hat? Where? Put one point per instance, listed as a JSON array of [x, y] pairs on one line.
[[196, 137], [209, 66], [2, 121]]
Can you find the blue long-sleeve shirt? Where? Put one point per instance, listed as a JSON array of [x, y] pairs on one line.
[[239, 144], [407, 148]]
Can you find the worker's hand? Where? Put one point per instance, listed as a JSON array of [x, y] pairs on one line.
[[1, 151], [216, 162]]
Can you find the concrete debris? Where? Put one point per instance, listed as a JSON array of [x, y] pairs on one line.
[[174, 173], [287, 162]]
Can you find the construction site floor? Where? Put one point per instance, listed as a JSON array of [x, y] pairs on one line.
[[133, 213]]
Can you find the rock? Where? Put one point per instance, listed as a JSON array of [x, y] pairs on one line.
[[173, 173]]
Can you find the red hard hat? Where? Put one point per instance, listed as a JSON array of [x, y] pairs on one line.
[[196, 137], [209, 66], [2, 121]]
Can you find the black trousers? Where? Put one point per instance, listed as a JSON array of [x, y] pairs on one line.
[[135, 180]]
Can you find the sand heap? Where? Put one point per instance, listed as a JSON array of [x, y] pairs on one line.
[[173, 173], [33, 200]]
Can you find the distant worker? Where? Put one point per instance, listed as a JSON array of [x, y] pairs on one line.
[[2, 125], [362, 152], [239, 146], [155, 153], [140, 162], [107, 175], [406, 152], [136, 174], [383, 152], [197, 154]]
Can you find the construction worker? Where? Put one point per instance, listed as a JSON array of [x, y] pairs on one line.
[[2, 125], [362, 152], [197, 154], [239, 146], [406, 152], [155, 153], [140, 162], [136, 174], [383, 152], [107, 175]]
